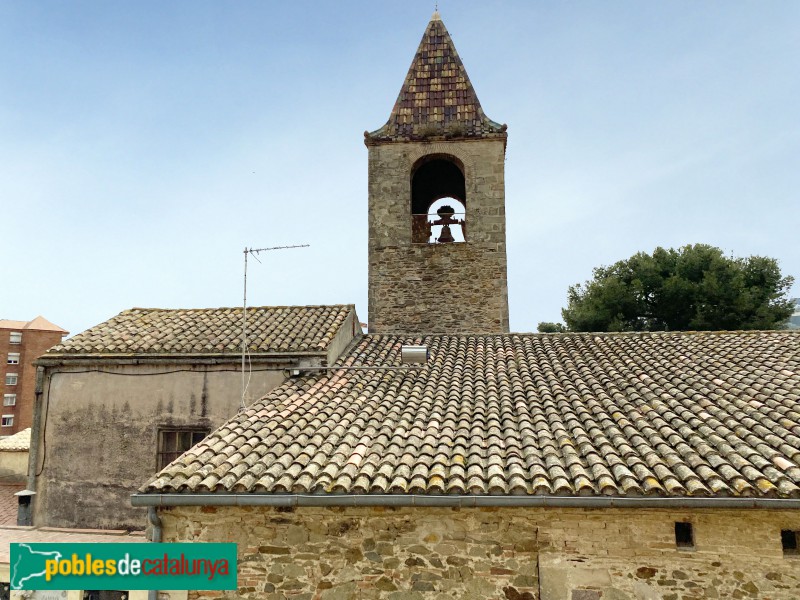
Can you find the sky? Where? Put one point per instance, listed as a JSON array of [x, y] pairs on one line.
[[144, 145]]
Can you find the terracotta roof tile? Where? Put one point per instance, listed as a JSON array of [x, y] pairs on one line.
[[662, 414], [209, 331]]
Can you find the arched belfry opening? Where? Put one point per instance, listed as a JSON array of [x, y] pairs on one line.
[[438, 200]]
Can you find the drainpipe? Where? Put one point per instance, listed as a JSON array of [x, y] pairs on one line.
[[152, 517], [33, 451]]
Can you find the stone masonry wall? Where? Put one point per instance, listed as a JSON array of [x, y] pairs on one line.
[[437, 288], [452, 294], [508, 554]]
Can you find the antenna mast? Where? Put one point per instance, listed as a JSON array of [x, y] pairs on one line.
[[254, 252]]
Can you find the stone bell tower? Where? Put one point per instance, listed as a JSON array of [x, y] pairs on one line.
[[437, 228]]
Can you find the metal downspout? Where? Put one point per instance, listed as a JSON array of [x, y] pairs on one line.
[[152, 517], [36, 434]]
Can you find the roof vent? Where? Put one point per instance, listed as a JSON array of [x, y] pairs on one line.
[[413, 355]]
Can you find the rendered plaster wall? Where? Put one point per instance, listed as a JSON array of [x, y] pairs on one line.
[[510, 553], [13, 466], [100, 433], [349, 329], [437, 288]]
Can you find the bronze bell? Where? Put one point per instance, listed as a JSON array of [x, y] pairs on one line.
[[446, 236]]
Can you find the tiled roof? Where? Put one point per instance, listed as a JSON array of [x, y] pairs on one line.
[[9, 324], [9, 505], [20, 441], [656, 414], [437, 98], [39, 323], [209, 331]]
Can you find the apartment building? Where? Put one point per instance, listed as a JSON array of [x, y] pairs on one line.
[[22, 342]]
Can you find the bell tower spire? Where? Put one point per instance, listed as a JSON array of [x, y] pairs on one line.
[[437, 96], [437, 248]]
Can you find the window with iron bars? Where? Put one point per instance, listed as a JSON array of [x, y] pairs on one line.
[[174, 442]]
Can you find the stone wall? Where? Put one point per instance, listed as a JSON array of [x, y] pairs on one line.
[[79, 594], [464, 300], [509, 554], [437, 288]]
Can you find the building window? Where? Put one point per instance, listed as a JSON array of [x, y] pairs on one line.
[[105, 595], [684, 535], [790, 540], [15, 338], [174, 442], [11, 379], [9, 399], [8, 421], [13, 358]]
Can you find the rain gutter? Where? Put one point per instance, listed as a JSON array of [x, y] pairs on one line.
[[411, 500], [174, 358]]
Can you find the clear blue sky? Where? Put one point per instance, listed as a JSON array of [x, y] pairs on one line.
[[143, 145]]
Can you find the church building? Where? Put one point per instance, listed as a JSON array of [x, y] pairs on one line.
[[567, 466]]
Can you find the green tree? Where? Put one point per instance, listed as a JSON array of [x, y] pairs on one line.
[[695, 287], [547, 327]]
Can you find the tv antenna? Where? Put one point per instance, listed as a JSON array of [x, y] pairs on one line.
[[255, 252]]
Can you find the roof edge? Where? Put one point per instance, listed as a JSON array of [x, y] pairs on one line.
[[37, 324], [417, 334], [48, 359], [249, 308], [412, 500], [379, 138]]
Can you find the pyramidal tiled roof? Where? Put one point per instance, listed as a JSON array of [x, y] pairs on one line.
[[437, 98], [210, 331], [633, 415]]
